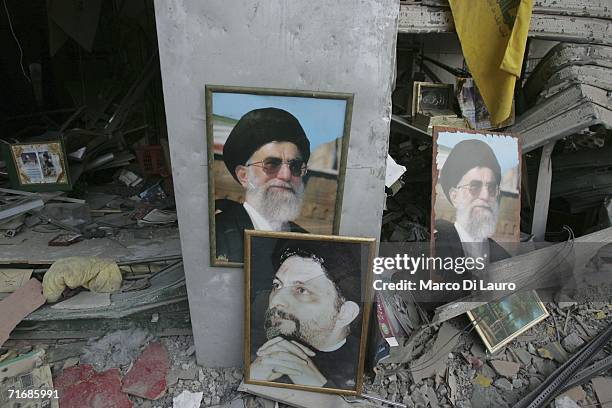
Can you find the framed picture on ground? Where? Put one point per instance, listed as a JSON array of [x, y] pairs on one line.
[[307, 306], [499, 322], [276, 161]]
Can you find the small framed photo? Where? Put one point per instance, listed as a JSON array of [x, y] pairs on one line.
[[38, 166], [308, 302], [276, 160], [499, 322], [429, 97]]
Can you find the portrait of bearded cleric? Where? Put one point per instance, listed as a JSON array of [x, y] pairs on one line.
[[276, 164], [305, 328], [476, 200]]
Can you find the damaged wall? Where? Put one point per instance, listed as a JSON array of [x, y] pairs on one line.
[[292, 45]]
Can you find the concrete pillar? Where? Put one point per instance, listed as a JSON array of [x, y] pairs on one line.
[[320, 45]]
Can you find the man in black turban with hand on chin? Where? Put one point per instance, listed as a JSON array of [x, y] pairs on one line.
[[267, 153]]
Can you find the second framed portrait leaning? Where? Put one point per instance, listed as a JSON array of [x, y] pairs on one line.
[[308, 301], [276, 161]]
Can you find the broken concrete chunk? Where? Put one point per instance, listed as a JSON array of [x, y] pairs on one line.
[[446, 341], [565, 402], [486, 398], [505, 368], [572, 342], [503, 384], [187, 399], [557, 352], [147, 378], [577, 394], [523, 355], [603, 389]]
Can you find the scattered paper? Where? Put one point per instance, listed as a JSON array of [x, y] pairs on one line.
[[12, 279], [21, 365], [394, 171], [37, 379], [187, 399]]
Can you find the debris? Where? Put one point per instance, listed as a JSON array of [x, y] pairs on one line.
[[452, 385], [299, 398], [158, 217], [545, 353], [18, 305], [486, 398], [117, 349], [434, 360], [482, 381], [503, 384], [577, 394], [505, 368], [92, 273], [523, 355], [187, 399], [433, 399], [70, 362], [84, 300], [13, 209], [603, 389], [66, 239], [11, 279], [572, 342], [21, 364], [556, 352], [36, 379], [565, 402], [82, 387], [147, 378]]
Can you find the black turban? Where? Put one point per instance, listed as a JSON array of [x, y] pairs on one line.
[[466, 155], [259, 127], [341, 261]]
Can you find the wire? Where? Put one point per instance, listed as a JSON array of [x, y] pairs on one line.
[[8, 16]]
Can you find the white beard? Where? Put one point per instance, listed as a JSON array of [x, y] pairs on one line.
[[276, 206], [480, 224]]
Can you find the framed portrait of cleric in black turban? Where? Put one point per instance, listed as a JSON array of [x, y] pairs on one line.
[[475, 194], [307, 305], [276, 161]]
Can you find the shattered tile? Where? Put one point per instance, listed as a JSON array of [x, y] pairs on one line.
[[557, 352], [147, 378], [523, 355], [505, 368], [82, 387], [565, 402], [187, 399]]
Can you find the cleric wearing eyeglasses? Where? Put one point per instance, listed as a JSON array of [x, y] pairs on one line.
[[470, 179], [267, 152]]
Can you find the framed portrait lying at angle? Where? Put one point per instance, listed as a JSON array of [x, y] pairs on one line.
[[307, 306], [276, 161], [37, 166], [501, 321]]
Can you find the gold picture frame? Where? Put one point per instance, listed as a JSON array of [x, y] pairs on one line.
[[441, 96], [263, 242], [324, 183], [498, 329]]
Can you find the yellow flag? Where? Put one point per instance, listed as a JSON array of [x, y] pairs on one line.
[[493, 35]]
